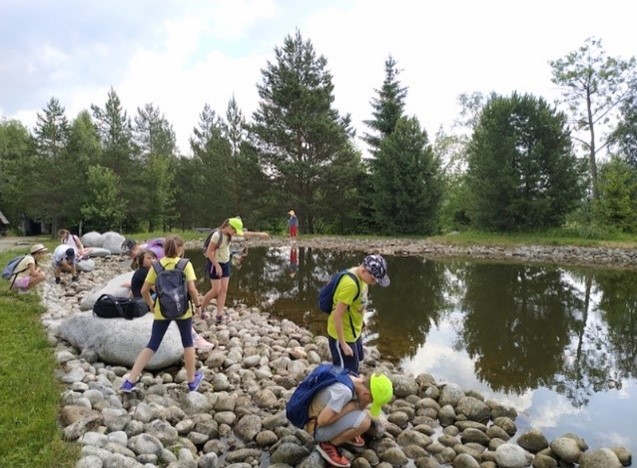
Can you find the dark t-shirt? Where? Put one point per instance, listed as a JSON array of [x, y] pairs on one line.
[[138, 281]]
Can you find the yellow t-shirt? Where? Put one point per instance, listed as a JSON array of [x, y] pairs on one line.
[[22, 268], [345, 293], [169, 263]]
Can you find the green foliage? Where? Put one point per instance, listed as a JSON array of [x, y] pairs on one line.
[[387, 107], [617, 204], [522, 174], [593, 85], [303, 143], [406, 182], [624, 138], [29, 430], [104, 208]]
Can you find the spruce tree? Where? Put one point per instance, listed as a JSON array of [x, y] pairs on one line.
[[387, 107]]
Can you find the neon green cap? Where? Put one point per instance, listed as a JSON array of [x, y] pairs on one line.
[[382, 391], [237, 224]]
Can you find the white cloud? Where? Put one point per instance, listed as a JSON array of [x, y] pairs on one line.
[[180, 55]]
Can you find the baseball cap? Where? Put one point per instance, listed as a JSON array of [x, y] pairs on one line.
[[38, 248], [237, 224], [377, 267], [70, 252], [382, 390]]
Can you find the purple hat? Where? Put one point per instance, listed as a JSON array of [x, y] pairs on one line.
[[377, 267]]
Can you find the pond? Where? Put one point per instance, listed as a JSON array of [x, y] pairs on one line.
[[558, 343]]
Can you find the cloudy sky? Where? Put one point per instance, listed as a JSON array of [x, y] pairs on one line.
[[181, 54]]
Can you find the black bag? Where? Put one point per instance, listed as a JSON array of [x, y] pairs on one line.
[[108, 306]]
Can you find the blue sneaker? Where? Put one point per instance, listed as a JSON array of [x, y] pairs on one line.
[[127, 386], [194, 385]]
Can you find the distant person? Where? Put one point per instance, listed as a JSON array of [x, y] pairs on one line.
[[64, 261], [293, 224], [27, 273], [345, 322], [218, 262], [294, 261], [174, 250], [74, 241], [133, 248], [338, 416]]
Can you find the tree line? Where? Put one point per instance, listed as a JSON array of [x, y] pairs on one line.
[[514, 163]]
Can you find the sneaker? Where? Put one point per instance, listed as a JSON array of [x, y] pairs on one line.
[[74, 279], [331, 454], [357, 441], [194, 385], [199, 342], [127, 386], [57, 280]]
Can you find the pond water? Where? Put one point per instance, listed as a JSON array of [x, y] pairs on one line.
[[558, 343]]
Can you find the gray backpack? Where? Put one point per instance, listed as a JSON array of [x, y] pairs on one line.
[[171, 289]]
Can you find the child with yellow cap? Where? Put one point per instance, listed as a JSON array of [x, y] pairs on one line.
[[339, 417]]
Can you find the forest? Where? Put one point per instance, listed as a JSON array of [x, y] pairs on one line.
[[511, 163]]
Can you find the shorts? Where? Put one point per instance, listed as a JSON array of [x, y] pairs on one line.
[[212, 272], [348, 362], [294, 230], [22, 283], [351, 420]]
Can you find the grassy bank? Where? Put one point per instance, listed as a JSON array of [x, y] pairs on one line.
[[29, 398]]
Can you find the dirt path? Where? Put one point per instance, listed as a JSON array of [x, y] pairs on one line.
[[20, 243]]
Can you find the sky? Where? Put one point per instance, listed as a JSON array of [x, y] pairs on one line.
[[182, 54]]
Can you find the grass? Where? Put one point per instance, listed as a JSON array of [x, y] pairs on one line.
[[30, 434], [554, 237]]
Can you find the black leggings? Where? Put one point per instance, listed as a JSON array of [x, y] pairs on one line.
[[161, 326]]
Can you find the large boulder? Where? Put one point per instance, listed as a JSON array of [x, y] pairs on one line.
[[118, 341], [113, 287], [112, 241], [92, 239], [85, 265]]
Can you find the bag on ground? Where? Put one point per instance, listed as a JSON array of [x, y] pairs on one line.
[[171, 289], [8, 270], [326, 293], [322, 376], [109, 306]]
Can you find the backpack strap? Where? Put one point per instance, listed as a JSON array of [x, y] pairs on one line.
[[358, 291], [181, 264], [14, 274]]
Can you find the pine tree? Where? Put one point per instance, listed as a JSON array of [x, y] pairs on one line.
[[303, 142]]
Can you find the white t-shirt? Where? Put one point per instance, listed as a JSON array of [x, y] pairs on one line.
[[59, 253]]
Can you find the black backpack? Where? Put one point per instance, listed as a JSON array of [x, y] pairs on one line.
[[206, 243], [108, 306], [171, 289]]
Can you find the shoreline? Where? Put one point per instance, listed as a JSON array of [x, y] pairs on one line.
[[238, 416]]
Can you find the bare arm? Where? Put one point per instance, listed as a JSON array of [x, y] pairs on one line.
[[329, 416], [251, 234], [338, 313], [146, 294]]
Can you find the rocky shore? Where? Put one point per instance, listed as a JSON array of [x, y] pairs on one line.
[[237, 418]]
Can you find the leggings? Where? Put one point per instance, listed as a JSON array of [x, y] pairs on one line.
[[161, 326]]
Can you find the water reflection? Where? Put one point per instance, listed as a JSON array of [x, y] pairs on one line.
[[558, 343]]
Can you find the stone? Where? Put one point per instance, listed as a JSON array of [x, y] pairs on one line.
[[118, 341]]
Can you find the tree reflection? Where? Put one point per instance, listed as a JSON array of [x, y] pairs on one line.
[[517, 323], [619, 306]]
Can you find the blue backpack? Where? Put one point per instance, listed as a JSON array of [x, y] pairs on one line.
[[8, 271], [326, 294], [322, 376]]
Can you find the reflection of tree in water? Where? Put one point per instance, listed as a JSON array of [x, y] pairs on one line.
[[587, 363], [517, 323], [406, 309], [619, 306]]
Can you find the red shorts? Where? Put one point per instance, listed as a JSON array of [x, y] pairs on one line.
[[294, 231]]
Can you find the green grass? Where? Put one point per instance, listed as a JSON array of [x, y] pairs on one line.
[[30, 434], [554, 237]]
